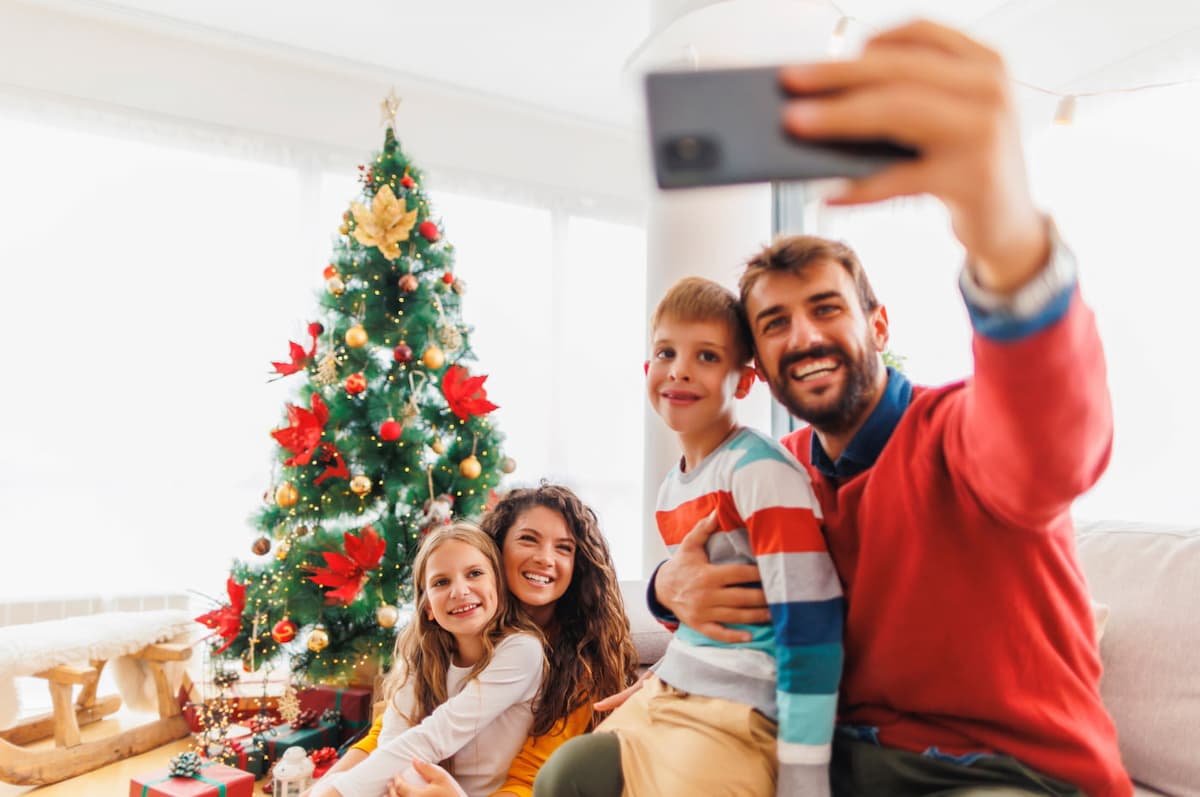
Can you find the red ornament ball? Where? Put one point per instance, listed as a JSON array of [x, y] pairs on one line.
[[330, 271], [390, 430], [408, 283], [402, 353], [315, 328], [447, 278], [356, 383], [284, 631], [429, 230], [407, 181]]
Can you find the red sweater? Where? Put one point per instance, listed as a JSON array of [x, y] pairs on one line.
[[968, 621]]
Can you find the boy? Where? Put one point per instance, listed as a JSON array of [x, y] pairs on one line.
[[711, 711]]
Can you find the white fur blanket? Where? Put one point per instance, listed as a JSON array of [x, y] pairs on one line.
[[32, 647]]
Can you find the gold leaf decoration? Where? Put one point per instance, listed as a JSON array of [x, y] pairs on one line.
[[385, 225]]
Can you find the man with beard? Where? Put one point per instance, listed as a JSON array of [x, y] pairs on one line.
[[971, 660]]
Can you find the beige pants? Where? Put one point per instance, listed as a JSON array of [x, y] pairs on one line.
[[673, 743]]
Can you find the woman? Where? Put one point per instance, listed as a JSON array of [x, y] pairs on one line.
[[557, 565]]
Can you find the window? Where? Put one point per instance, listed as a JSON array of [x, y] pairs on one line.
[[149, 284]]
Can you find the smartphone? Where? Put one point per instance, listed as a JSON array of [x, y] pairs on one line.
[[723, 126]]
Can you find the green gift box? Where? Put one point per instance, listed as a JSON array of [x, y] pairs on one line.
[[312, 738]]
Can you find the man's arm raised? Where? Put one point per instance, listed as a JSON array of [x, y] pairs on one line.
[[948, 96]]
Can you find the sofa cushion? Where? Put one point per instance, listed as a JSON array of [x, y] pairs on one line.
[[1149, 577], [649, 636]]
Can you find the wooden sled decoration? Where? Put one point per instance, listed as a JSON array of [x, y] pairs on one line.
[[70, 757]]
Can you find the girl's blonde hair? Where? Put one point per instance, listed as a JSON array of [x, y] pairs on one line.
[[424, 649]]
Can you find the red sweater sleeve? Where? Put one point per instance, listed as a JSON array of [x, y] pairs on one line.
[[1034, 426]]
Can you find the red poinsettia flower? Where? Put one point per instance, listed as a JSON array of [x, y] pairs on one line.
[[335, 466], [348, 572], [465, 394], [299, 356], [227, 620], [303, 432]]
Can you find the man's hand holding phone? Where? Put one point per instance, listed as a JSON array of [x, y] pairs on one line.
[[932, 111], [947, 96]]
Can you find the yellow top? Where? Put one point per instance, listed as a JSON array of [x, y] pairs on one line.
[[533, 754]]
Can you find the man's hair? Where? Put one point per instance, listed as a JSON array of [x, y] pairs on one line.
[[695, 299], [794, 253]]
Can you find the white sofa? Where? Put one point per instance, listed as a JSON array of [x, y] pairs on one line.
[[1149, 578]]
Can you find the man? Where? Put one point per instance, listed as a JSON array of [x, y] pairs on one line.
[[971, 662]]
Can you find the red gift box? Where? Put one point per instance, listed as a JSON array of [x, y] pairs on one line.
[[351, 702], [208, 782]]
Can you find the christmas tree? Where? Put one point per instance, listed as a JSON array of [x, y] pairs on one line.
[[388, 435]]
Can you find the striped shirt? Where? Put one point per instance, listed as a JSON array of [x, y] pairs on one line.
[[789, 670]]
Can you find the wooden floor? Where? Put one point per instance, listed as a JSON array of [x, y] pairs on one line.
[[112, 780]]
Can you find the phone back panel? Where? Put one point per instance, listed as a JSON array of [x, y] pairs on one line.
[[723, 126]]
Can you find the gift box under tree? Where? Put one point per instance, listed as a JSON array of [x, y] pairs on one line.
[[245, 754], [351, 705], [207, 779], [308, 731]]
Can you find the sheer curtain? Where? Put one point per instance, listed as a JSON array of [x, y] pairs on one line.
[[1121, 184]]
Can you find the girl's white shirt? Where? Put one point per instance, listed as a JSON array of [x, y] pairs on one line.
[[481, 727]]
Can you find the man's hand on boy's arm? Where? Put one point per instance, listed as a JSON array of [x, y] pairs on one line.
[[937, 90], [705, 596]]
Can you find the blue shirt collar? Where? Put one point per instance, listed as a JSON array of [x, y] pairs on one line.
[[864, 448]]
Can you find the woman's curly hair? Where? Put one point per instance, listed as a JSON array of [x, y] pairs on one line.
[[592, 654]]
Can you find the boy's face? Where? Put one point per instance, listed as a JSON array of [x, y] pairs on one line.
[[693, 377]]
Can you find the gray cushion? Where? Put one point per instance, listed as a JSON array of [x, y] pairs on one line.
[[1149, 577], [649, 637]]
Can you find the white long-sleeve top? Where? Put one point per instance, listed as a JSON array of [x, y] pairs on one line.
[[481, 727]]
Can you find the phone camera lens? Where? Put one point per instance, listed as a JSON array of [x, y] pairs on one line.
[[691, 153]]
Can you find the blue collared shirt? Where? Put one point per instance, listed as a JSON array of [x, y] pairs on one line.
[[864, 448]]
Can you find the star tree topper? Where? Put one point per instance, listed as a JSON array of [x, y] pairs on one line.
[[389, 108]]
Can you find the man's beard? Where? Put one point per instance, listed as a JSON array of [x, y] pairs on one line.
[[840, 414]]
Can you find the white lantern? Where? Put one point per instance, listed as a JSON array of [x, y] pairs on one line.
[[293, 773]]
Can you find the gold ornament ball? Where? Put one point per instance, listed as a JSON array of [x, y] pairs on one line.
[[360, 485], [318, 639], [438, 446], [508, 465], [387, 615], [344, 228], [301, 531], [261, 546], [287, 495], [433, 358], [470, 467], [282, 550], [335, 286], [356, 336]]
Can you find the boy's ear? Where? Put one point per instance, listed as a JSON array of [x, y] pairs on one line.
[[745, 381], [758, 370]]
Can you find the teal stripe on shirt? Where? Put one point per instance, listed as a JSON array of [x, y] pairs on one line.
[[812, 670], [805, 719]]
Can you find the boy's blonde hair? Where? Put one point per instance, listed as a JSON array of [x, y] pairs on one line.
[[697, 299]]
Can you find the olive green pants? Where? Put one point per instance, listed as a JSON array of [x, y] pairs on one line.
[[590, 766], [863, 769], [586, 766]]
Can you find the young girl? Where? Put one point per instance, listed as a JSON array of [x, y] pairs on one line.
[[467, 669], [558, 566]]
